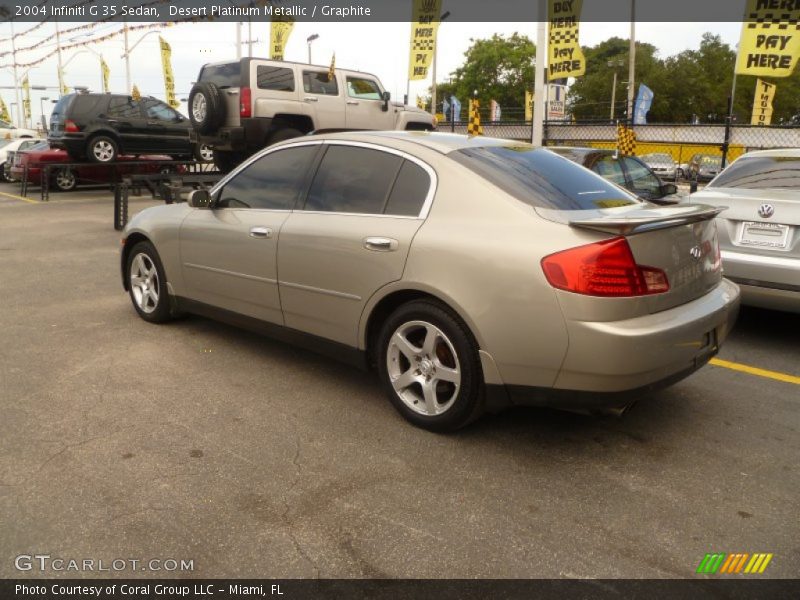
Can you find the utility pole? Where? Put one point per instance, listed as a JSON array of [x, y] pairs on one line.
[[128, 87], [238, 41], [632, 62], [537, 130], [16, 81]]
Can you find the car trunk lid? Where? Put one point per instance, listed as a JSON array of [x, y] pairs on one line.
[[680, 240]]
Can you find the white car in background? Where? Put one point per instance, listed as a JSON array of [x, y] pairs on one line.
[[10, 146], [9, 132]]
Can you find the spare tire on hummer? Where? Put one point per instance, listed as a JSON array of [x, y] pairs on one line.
[[206, 107]]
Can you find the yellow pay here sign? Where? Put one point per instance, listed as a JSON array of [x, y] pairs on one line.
[[770, 42]]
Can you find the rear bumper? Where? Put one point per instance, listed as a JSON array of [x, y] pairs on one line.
[[608, 365], [766, 281], [73, 143], [249, 137], [644, 351]]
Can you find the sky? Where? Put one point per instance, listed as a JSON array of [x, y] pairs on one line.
[[378, 48]]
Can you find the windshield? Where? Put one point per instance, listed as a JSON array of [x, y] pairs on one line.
[[541, 178], [760, 172]]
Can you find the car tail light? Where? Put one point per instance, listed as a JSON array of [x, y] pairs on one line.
[[604, 268], [69, 126], [245, 109]]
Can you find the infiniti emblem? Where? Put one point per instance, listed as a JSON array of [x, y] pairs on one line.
[[766, 211], [696, 252]]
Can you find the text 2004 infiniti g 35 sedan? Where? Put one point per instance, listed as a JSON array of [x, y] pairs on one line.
[[472, 273]]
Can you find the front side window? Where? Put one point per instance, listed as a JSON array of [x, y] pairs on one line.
[[366, 89], [160, 111], [317, 82], [642, 179], [271, 182], [353, 180], [124, 108], [760, 172]]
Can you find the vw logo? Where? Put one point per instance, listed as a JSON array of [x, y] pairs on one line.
[[765, 211], [696, 252]]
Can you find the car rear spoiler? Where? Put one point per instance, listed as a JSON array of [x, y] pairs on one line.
[[647, 219]]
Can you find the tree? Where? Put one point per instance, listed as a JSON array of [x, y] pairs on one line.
[[499, 68]]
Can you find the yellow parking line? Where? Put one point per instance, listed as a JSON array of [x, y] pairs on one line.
[[755, 371], [15, 197]]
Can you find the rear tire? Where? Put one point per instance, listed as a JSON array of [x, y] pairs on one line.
[[206, 107], [227, 161], [429, 366], [147, 283], [287, 133], [101, 149]]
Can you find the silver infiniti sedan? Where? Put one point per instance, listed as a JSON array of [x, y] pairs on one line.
[[760, 231], [472, 274]]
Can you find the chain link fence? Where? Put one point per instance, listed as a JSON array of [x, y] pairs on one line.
[[675, 151]]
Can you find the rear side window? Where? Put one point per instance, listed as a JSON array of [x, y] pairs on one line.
[[353, 180], [541, 178], [271, 182], [224, 76], [122, 107], [761, 172], [409, 191], [316, 82], [88, 106], [277, 79]]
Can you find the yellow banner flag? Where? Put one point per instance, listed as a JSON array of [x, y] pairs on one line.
[[564, 55], [425, 16], [626, 140], [279, 33], [135, 93], [4, 112], [528, 105], [61, 84], [26, 98], [332, 68], [169, 78], [762, 103], [106, 72], [770, 41]]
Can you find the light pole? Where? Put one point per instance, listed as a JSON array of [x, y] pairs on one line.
[[127, 55], [41, 108], [310, 39], [13, 106], [433, 66], [632, 63], [614, 63]]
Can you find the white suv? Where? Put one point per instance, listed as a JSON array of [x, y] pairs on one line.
[[240, 107]]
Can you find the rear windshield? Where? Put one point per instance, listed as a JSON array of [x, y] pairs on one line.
[[223, 76], [61, 106], [760, 172], [542, 179]]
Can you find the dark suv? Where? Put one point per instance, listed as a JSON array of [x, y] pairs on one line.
[[99, 127]]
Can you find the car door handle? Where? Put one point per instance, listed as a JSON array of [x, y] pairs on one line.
[[261, 232], [380, 244], [352, 103], [311, 99], [153, 123], [112, 121]]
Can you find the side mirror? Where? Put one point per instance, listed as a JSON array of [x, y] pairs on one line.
[[667, 189], [386, 96], [199, 199]]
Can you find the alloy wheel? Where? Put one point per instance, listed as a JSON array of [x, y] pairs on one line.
[[103, 150], [144, 283], [423, 368], [199, 108]]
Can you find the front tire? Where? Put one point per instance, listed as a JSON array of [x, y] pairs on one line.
[[147, 283], [429, 367], [101, 149], [66, 180]]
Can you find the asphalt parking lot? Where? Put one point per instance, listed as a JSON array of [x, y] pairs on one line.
[[197, 441]]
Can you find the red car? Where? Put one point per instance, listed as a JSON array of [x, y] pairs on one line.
[[68, 178]]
